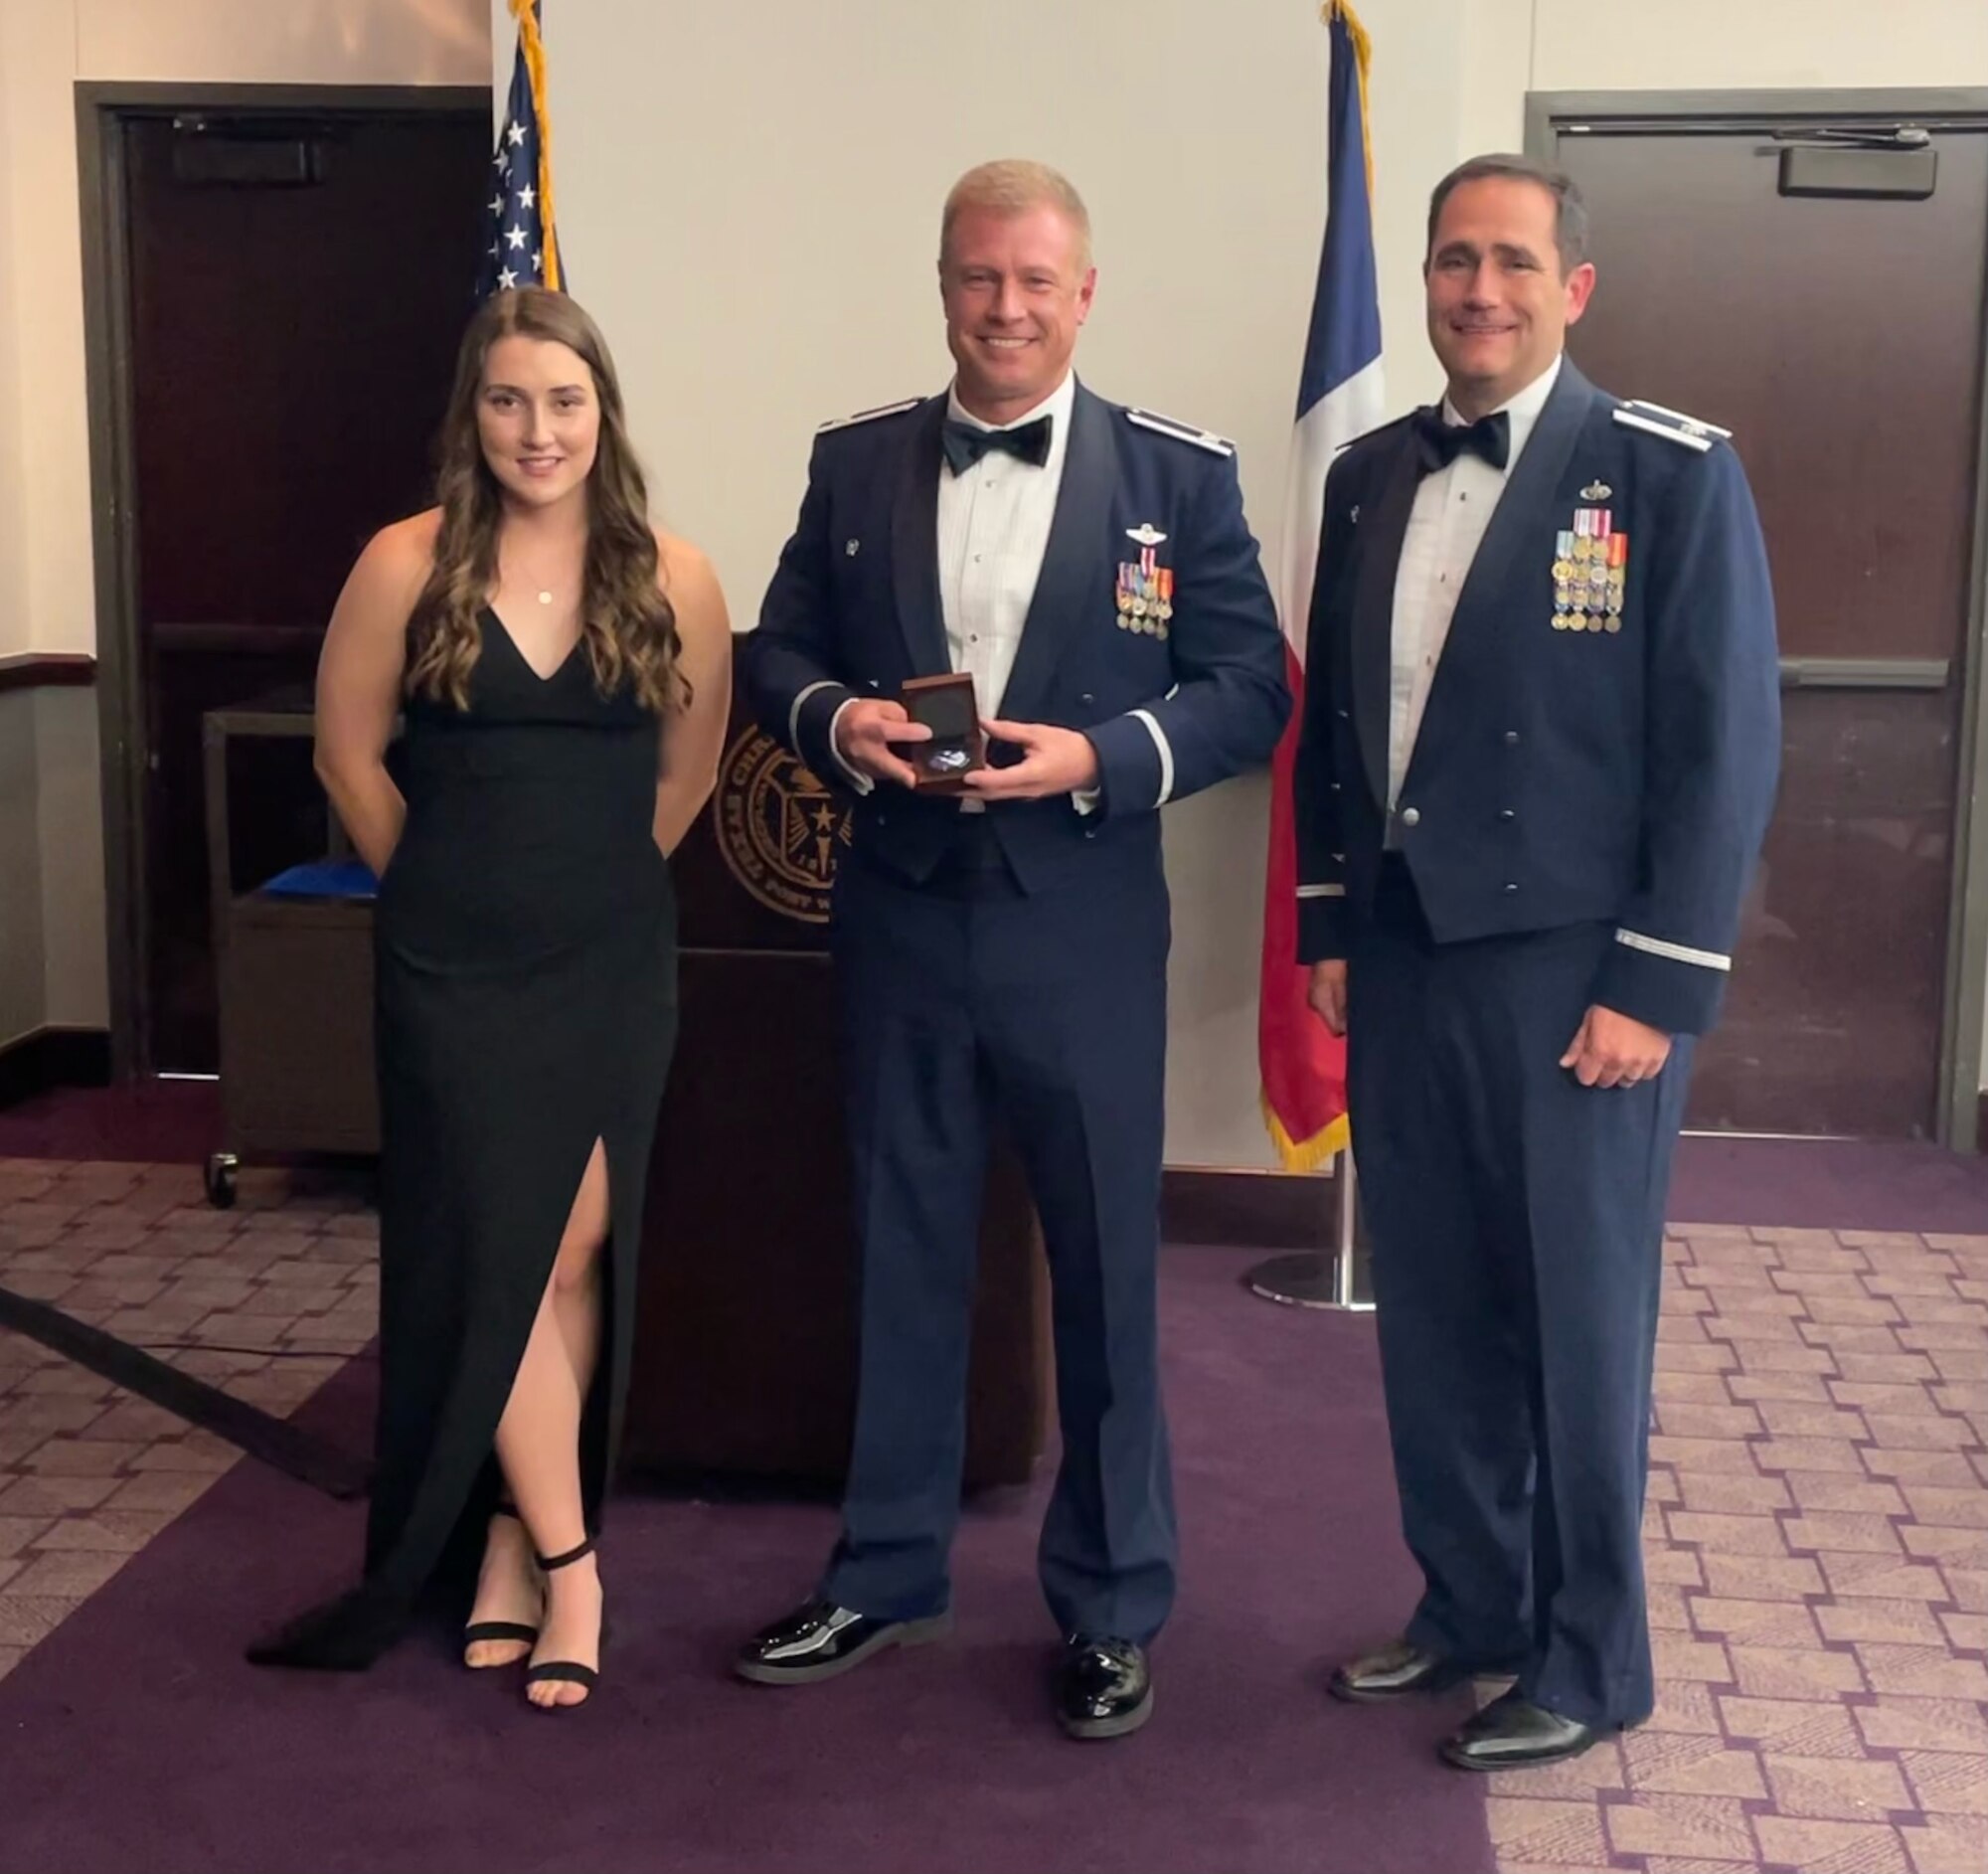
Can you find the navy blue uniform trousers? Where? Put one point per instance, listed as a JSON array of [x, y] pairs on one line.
[[1516, 1227], [965, 1001]]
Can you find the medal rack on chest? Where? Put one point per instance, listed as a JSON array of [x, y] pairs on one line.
[[1591, 569]]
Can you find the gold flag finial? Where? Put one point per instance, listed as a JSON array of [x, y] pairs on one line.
[[532, 43]]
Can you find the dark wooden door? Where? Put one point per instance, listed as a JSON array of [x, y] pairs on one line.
[[299, 286], [1840, 341]]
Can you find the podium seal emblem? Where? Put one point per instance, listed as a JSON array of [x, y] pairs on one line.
[[779, 828]]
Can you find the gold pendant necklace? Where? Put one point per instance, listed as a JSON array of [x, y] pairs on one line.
[[545, 596]]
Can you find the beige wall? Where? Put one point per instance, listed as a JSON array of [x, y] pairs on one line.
[[13, 491], [285, 42], [765, 260], [768, 262], [51, 954], [23, 949], [753, 287], [44, 483], [1667, 45]]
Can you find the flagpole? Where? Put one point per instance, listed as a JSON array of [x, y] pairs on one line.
[[1311, 1279], [1339, 398]]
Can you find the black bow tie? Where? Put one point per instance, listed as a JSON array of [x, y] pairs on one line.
[[1439, 443], [966, 443]]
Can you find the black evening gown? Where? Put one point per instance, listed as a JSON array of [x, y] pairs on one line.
[[526, 1007]]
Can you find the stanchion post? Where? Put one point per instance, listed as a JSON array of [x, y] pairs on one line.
[[1307, 1279]]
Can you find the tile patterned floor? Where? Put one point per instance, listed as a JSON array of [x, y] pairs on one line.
[[1817, 1537], [267, 1299], [1817, 1528]]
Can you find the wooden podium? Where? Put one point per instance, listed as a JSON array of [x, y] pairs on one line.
[[746, 1332]]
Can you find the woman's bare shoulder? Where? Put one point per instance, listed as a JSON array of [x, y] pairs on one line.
[[389, 575], [407, 546], [685, 572], [678, 559]]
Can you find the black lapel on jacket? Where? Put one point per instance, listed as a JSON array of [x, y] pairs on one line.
[[1071, 586], [1383, 525], [1487, 589], [914, 544]]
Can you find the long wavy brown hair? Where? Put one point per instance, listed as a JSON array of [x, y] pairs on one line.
[[627, 623]]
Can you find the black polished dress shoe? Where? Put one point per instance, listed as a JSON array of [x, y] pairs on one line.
[[1399, 1669], [1104, 1688], [1512, 1733], [819, 1641]]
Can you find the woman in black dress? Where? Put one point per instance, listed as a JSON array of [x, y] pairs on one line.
[[564, 673]]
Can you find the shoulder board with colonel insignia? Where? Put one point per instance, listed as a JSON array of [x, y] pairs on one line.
[[1672, 425], [869, 416], [1379, 429], [1181, 432]]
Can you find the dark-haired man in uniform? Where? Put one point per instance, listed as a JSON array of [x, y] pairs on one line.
[[1538, 755]]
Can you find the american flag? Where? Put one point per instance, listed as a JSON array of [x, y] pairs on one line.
[[523, 246]]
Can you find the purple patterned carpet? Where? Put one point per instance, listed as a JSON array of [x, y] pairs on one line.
[[1817, 1539], [136, 1738]]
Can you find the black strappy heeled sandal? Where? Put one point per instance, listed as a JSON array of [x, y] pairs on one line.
[[477, 1632], [569, 1671]]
